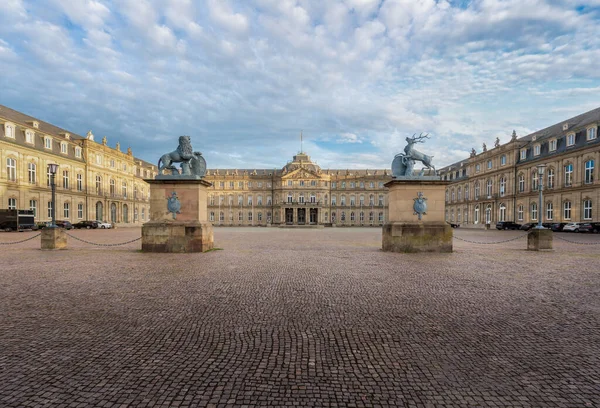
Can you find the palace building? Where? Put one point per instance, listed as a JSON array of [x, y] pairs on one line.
[[501, 183], [98, 182]]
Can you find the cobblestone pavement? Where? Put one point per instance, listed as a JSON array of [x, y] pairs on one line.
[[318, 318]]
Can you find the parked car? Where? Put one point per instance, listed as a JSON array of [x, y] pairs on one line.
[[528, 226], [506, 225], [558, 226], [86, 224], [104, 225], [454, 225], [586, 227], [596, 226], [64, 224], [571, 227]]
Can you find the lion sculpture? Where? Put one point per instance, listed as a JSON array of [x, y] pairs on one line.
[[192, 163]]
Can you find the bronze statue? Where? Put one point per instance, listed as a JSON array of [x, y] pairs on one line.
[[192, 163], [404, 163]]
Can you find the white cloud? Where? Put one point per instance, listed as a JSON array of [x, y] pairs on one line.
[[348, 137], [221, 13]]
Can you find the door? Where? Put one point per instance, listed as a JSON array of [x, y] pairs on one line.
[[289, 215], [301, 216], [313, 215]]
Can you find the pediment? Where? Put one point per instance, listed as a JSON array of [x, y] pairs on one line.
[[301, 173]]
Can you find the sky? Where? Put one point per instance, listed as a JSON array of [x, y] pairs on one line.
[[245, 78]]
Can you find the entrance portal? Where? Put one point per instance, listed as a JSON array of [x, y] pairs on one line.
[[301, 216], [289, 215], [313, 215]]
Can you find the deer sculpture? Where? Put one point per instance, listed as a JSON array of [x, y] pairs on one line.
[[407, 160]]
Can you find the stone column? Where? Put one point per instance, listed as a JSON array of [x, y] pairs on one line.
[[185, 231], [404, 230]]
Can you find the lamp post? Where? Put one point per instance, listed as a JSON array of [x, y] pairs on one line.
[[540, 169], [53, 167]]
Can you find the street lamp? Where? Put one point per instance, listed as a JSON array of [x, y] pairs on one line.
[[52, 168], [540, 170]]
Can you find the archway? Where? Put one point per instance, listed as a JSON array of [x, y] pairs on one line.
[[113, 213], [99, 211]]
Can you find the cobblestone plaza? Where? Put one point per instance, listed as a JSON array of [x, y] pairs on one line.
[[306, 317]]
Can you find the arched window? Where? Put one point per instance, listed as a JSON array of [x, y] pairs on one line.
[[333, 216], [124, 190], [112, 187], [371, 217], [240, 216], [250, 216], [371, 200], [212, 216], [221, 216], [98, 185], [476, 215], [459, 194], [361, 200], [502, 212], [381, 217], [352, 216], [361, 217], [352, 200], [290, 198], [534, 180], [343, 217], [99, 211], [343, 200], [125, 213], [466, 191], [313, 198], [453, 193], [259, 216], [458, 215], [488, 188], [488, 214], [502, 186], [477, 190], [568, 175]]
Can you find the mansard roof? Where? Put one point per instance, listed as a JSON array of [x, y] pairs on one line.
[[574, 124]]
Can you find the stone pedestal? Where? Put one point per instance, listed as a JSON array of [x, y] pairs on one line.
[[54, 238], [404, 232], [539, 240], [185, 231]]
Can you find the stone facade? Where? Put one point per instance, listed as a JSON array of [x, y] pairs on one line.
[[500, 184], [94, 181]]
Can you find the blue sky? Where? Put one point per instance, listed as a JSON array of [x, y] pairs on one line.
[[243, 78]]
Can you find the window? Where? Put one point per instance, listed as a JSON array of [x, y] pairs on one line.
[[552, 145], [249, 184], [290, 198], [466, 191], [343, 216], [550, 178], [259, 200], [503, 160], [488, 188], [333, 184], [260, 184], [352, 201], [29, 136], [381, 184], [380, 200], [489, 164], [589, 172], [301, 198], [333, 201], [591, 133], [313, 198], [240, 200], [124, 189], [520, 212], [11, 169], [523, 154], [371, 217], [476, 215], [381, 217], [362, 184], [63, 147], [135, 195], [352, 217], [352, 184], [112, 163], [536, 150], [534, 211], [477, 167], [361, 217], [124, 166], [570, 139], [269, 200], [99, 159], [502, 213], [477, 190], [249, 215], [49, 209], [521, 183], [290, 183], [459, 194], [371, 185], [343, 200], [371, 200], [47, 142], [343, 184], [80, 211], [240, 184], [31, 172], [568, 175], [212, 216], [12, 203], [549, 211], [33, 207], [231, 184], [313, 183], [221, 216], [502, 186], [259, 217], [10, 130], [135, 215], [453, 195], [240, 216], [112, 187], [587, 209], [66, 210], [250, 200], [65, 175], [567, 210], [79, 182], [143, 214], [98, 185], [78, 152], [534, 180], [222, 184]]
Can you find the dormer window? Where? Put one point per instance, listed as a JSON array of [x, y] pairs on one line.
[[571, 139], [48, 142], [63, 148], [537, 150], [67, 135], [523, 154], [565, 126], [35, 124], [9, 130], [29, 136], [552, 145], [592, 133], [78, 152]]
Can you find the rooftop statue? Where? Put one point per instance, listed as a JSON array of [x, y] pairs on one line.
[[404, 163], [193, 164]]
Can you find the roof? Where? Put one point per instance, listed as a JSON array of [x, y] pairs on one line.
[[575, 123], [23, 119]]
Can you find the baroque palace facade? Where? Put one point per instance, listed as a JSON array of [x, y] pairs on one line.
[[98, 182], [501, 183]]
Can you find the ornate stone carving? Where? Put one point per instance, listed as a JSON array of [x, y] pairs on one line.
[[473, 153], [497, 142], [484, 147], [174, 205], [420, 205]]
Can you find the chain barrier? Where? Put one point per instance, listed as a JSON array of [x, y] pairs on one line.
[[18, 242], [105, 245], [490, 243], [575, 242]]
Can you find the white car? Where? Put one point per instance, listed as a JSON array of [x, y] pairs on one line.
[[571, 227], [104, 225]]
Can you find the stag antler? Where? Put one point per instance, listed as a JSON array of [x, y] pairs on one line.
[[420, 138]]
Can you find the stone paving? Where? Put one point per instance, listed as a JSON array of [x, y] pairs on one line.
[[316, 318]]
